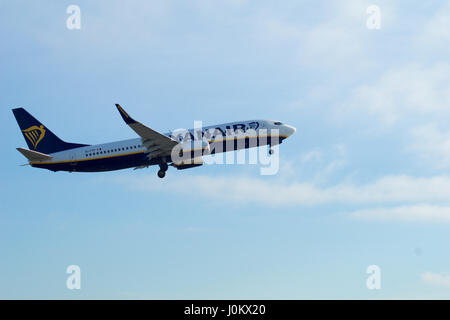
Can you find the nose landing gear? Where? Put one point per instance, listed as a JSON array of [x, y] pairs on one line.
[[162, 169]]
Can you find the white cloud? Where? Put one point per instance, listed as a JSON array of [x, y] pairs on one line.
[[343, 39], [107, 25], [313, 155], [414, 100], [435, 33], [319, 164], [414, 213], [390, 189], [337, 38], [436, 279], [406, 93], [219, 4], [431, 144], [331, 44]]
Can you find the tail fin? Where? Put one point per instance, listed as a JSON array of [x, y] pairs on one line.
[[38, 137]]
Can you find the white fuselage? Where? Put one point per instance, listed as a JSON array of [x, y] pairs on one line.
[[133, 153]]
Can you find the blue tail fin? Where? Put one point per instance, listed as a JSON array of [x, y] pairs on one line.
[[39, 137]]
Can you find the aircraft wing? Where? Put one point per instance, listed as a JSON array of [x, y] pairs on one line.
[[156, 143]]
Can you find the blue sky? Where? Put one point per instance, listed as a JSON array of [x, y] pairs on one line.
[[365, 179]]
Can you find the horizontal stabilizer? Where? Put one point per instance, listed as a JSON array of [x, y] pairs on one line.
[[34, 155]]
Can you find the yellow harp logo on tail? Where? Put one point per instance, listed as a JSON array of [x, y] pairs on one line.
[[34, 134]]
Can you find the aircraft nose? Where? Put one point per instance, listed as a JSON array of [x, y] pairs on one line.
[[290, 130]]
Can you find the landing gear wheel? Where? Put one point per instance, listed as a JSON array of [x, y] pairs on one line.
[[271, 151], [161, 174], [164, 166]]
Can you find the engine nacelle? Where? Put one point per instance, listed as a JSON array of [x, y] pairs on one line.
[[187, 166], [189, 154]]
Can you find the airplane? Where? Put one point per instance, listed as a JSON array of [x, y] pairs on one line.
[[47, 151]]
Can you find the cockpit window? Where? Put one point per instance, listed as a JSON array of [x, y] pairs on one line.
[[277, 123]]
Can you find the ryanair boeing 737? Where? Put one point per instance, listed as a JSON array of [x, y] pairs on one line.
[[181, 150]]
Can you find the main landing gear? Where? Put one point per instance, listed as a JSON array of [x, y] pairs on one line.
[[271, 151], [162, 169]]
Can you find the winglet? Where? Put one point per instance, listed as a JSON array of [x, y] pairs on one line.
[[125, 116]]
